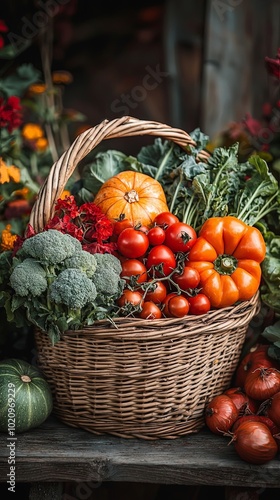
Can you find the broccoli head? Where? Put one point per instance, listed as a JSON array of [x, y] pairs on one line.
[[84, 261], [72, 288], [28, 277], [107, 282], [51, 247], [109, 261]]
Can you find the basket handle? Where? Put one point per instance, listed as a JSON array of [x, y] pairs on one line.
[[62, 169]]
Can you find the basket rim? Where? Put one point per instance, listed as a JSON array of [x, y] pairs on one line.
[[225, 319]]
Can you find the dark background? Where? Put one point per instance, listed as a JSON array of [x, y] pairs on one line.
[[208, 55]]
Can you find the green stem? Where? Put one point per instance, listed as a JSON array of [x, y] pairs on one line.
[[213, 190], [249, 203], [34, 166], [175, 195], [163, 163], [266, 209]]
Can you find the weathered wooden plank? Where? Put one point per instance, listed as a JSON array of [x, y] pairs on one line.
[[238, 36], [59, 453]]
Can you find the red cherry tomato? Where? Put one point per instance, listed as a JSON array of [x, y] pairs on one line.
[[133, 267], [161, 261], [158, 293], [132, 243], [189, 278], [120, 225], [150, 311], [165, 219], [130, 297], [178, 306], [199, 304], [165, 309], [156, 235], [180, 237]]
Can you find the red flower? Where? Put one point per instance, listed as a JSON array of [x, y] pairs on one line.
[[10, 113], [67, 206], [253, 126], [87, 223], [273, 65], [19, 241], [65, 225], [100, 247], [3, 29]]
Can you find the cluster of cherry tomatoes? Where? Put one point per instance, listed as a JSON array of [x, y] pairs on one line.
[[158, 281]]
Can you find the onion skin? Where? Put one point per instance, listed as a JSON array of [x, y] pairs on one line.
[[220, 414], [262, 383], [254, 443], [273, 410], [240, 399], [257, 357], [256, 418]]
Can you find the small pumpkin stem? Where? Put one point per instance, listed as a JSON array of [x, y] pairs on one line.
[[25, 378], [131, 196]]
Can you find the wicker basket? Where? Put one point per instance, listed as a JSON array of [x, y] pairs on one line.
[[137, 378]]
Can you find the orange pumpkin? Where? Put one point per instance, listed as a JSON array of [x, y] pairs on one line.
[[138, 196]]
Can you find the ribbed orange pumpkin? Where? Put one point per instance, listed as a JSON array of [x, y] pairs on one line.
[[137, 195]]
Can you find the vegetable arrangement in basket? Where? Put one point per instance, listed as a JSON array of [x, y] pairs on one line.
[[128, 240]]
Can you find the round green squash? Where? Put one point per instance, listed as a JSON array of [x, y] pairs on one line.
[[25, 397]]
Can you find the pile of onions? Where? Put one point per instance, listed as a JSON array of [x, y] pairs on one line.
[[250, 412]]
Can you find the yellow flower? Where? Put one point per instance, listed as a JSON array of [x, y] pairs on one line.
[[64, 194], [37, 88], [8, 173], [41, 144], [7, 238], [32, 131], [64, 77]]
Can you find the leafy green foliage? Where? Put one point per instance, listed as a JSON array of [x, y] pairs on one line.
[[270, 290], [272, 334], [196, 190], [17, 82]]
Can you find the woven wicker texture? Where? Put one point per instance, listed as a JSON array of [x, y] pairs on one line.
[[142, 378], [137, 378]]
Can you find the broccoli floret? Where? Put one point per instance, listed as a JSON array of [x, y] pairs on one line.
[[72, 288], [109, 261], [107, 282], [51, 247], [84, 261], [28, 277]]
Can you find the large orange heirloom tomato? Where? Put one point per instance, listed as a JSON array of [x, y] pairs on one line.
[[228, 254], [138, 196]]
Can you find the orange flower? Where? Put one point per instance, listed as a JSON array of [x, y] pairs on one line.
[[8, 173], [32, 131], [7, 239], [37, 88], [41, 144], [64, 77], [64, 194], [22, 193]]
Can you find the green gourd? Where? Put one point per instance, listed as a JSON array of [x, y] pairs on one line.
[[25, 397]]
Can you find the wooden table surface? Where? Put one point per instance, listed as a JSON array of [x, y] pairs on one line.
[[55, 452]]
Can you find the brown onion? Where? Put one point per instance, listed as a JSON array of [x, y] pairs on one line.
[[273, 410], [262, 383], [240, 399], [220, 414], [254, 443]]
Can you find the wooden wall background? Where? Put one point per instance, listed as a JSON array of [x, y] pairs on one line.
[[215, 52]]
